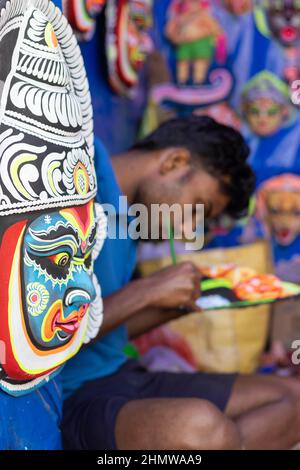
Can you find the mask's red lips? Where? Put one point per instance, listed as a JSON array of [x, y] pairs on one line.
[[71, 323], [288, 33], [55, 321], [284, 232], [283, 235], [69, 328]]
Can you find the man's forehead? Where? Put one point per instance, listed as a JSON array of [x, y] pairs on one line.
[[208, 190], [203, 179]]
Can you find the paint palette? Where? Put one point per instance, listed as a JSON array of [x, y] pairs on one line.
[[230, 286]]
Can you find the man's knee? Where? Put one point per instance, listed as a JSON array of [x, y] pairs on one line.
[[287, 393], [293, 386], [295, 405], [203, 426], [289, 390]]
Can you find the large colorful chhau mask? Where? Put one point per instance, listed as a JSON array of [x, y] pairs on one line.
[[127, 41], [266, 104], [82, 16], [50, 229]]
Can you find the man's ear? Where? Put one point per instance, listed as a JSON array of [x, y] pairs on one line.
[[173, 158]]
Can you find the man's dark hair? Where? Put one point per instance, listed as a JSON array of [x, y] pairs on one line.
[[220, 150]]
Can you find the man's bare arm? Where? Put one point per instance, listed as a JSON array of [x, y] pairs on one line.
[[164, 291], [150, 318], [123, 304]]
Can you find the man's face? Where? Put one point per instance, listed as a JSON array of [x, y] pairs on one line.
[[284, 22], [187, 187], [265, 116]]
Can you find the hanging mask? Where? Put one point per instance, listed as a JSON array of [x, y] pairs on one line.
[[280, 19], [50, 229], [278, 207], [266, 104], [127, 41], [81, 15]]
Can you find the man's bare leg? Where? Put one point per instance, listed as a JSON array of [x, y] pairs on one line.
[[262, 413], [266, 410], [174, 424]]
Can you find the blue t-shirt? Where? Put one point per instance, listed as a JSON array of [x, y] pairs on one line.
[[114, 268]]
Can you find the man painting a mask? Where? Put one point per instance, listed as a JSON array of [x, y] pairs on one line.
[[113, 402]]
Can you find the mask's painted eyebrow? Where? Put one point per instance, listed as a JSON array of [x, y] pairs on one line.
[[48, 246], [53, 239], [54, 232]]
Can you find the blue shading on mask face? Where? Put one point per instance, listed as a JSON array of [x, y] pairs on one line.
[[58, 284]]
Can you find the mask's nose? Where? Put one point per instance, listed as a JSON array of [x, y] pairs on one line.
[[289, 13], [77, 298], [80, 291]]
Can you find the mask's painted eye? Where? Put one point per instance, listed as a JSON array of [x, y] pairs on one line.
[[272, 111], [275, 211], [61, 259], [254, 111]]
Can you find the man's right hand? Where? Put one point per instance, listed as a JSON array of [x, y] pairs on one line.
[[174, 287], [153, 300]]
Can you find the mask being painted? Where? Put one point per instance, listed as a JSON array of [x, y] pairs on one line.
[[51, 231]]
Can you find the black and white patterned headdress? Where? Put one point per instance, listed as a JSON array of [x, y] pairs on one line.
[[46, 126]]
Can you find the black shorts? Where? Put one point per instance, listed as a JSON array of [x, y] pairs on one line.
[[90, 414]]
